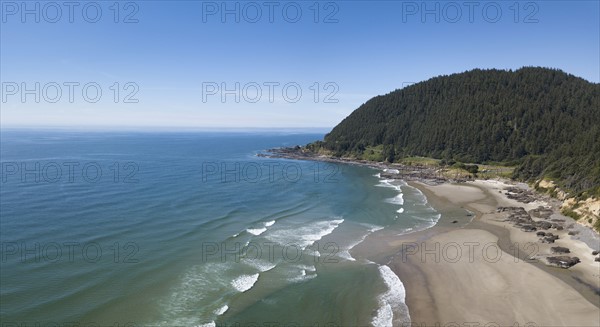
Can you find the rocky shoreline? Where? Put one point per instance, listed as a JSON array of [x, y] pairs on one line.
[[422, 174], [518, 216]]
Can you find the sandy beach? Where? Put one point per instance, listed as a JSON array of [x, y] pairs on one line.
[[488, 272]]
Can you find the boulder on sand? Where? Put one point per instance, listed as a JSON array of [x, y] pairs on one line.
[[563, 261], [559, 249], [549, 238], [543, 225]]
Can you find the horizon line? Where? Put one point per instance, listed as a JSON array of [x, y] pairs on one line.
[[165, 128]]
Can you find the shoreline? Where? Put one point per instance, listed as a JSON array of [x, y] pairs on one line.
[[485, 286], [511, 282]]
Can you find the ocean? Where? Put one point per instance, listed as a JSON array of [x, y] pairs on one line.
[[193, 229]]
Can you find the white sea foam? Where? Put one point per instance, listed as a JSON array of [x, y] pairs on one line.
[[198, 285], [325, 229], [256, 231], [422, 197], [398, 199], [222, 310], [386, 183], [345, 254], [305, 236], [302, 273], [430, 220], [244, 282], [373, 228], [401, 210], [309, 268], [392, 301], [406, 231], [269, 223], [384, 317], [313, 252], [210, 324], [260, 265]]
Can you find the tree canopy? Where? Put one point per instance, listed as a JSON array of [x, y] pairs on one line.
[[543, 120]]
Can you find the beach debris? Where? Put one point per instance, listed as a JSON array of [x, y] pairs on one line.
[[559, 249], [563, 261]]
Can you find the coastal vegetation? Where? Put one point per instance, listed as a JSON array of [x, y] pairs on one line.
[[533, 124], [540, 122]]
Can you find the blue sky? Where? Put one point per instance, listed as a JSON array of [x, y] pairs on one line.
[[172, 59]]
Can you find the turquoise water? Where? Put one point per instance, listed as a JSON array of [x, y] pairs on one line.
[[193, 228]]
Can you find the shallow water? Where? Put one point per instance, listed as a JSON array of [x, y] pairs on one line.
[[193, 228]]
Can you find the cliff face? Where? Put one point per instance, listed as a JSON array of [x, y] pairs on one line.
[[588, 210], [585, 211]]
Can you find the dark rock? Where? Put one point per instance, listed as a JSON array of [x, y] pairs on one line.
[[563, 261], [560, 249], [573, 232], [520, 195], [541, 233], [595, 252], [597, 259], [541, 212], [543, 225], [454, 221], [549, 238], [528, 228]]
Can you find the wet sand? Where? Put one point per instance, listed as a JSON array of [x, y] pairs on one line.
[[482, 270]]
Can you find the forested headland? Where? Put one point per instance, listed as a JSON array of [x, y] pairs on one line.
[[544, 122]]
